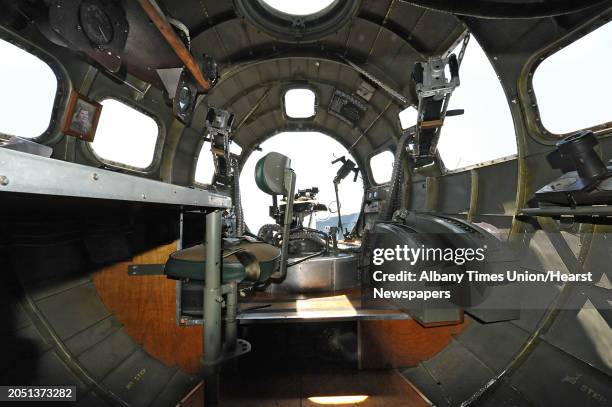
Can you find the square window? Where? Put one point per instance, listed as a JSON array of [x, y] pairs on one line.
[[28, 87], [299, 103], [125, 135]]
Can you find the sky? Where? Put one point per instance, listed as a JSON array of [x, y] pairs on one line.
[[140, 135], [311, 154], [581, 74], [299, 7], [486, 130], [27, 92]]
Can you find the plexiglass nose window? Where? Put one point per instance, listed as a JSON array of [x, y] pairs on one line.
[[485, 131]]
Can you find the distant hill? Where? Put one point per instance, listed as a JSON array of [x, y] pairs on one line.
[[348, 222]]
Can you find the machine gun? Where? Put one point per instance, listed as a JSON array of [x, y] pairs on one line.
[[586, 179], [434, 90], [218, 126], [347, 167]]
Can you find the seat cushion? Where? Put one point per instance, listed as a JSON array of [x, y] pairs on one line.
[[270, 173], [190, 263]]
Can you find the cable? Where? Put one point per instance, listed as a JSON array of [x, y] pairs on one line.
[[306, 258]]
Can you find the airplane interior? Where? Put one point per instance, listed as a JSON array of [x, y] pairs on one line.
[[283, 203]]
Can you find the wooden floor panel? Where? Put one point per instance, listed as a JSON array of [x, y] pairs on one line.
[[146, 306], [391, 344]]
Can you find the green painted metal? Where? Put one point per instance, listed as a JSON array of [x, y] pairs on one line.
[[182, 266]]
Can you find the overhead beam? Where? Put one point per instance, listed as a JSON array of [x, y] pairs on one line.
[[166, 30]]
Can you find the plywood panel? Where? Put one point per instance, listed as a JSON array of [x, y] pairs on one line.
[[390, 344], [146, 306]]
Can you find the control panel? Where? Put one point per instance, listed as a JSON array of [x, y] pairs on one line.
[[375, 198]]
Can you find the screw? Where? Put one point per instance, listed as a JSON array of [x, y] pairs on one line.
[[4, 181], [94, 176]]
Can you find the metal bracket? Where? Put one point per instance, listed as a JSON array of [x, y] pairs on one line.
[[146, 269], [242, 347]]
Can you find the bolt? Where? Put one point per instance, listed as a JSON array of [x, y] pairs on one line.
[[94, 176], [4, 181]]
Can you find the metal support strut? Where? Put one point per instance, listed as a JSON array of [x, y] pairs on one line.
[[212, 309], [231, 322]]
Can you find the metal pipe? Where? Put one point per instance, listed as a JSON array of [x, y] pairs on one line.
[[338, 209], [231, 323], [474, 184], [212, 308], [310, 256], [290, 184]]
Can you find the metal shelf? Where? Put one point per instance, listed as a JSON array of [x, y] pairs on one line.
[[599, 210], [31, 174], [359, 314]]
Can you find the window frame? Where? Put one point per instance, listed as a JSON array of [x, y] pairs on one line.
[[157, 152], [307, 86], [536, 128], [52, 132]]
